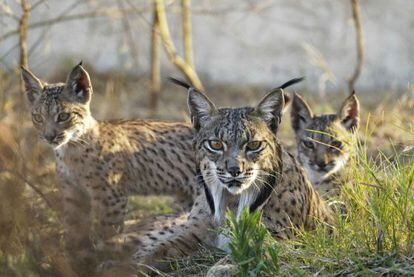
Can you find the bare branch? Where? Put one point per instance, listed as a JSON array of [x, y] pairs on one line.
[[360, 47], [186, 18], [184, 67], [23, 32], [111, 13], [40, 38], [7, 11], [127, 30], [33, 187], [37, 4], [155, 63], [23, 22]]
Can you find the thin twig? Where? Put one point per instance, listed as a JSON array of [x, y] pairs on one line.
[[186, 22], [23, 22], [155, 63], [360, 47], [37, 4], [40, 38], [28, 183], [112, 13], [184, 67], [128, 33]]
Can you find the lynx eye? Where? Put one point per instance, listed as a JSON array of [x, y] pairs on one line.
[[215, 145], [254, 145], [63, 117], [37, 118], [336, 146], [308, 144]]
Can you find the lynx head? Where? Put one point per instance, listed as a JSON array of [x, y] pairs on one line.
[[237, 152], [322, 140], [60, 112]]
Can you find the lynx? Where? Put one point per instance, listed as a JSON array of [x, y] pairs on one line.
[[323, 141], [103, 162], [240, 164]]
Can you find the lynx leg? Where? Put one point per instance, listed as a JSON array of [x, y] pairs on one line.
[[76, 211], [108, 211]]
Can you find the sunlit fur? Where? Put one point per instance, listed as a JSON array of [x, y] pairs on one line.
[[70, 99], [236, 127], [99, 164], [271, 180], [49, 106]]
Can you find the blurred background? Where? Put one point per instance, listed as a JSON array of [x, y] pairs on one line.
[[235, 51], [236, 43], [232, 42]]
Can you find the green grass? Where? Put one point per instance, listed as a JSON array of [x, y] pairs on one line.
[[251, 247], [374, 237]]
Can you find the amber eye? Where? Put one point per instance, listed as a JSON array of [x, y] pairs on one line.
[[336, 147], [215, 145], [63, 117], [254, 145], [308, 144], [38, 118]]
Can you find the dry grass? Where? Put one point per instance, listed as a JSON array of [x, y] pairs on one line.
[[30, 227]]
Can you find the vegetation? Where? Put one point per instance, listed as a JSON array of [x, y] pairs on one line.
[[373, 237], [374, 234]]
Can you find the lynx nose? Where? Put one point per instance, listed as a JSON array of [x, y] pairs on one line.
[[234, 171], [321, 164], [50, 137]]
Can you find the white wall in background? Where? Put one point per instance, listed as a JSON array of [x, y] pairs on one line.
[[273, 41]]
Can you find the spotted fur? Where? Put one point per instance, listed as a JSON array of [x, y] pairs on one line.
[[101, 163], [268, 178], [323, 141]]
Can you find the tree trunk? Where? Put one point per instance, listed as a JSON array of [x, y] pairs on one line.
[[155, 64], [188, 44], [360, 46], [23, 43], [181, 64]]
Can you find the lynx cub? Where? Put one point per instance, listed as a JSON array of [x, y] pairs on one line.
[[103, 162], [322, 141]]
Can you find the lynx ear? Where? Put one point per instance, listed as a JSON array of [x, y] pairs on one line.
[[78, 85], [33, 86], [201, 108], [287, 99], [270, 108], [349, 113], [301, 113]]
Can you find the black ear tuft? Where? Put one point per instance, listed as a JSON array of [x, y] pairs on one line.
[[292, 82], [200, 107], [78, 84], [33, 86], [180, 82]]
